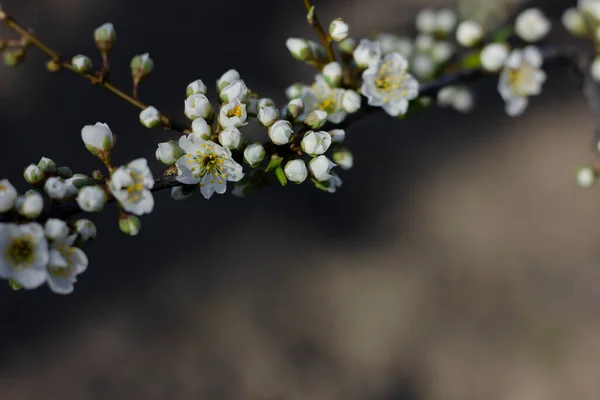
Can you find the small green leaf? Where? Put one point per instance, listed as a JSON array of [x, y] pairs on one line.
[[472, 61], [274, 163], [310, 17], [281, 176]]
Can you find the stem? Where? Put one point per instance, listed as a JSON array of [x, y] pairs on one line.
[[167, 122], [325, 38]]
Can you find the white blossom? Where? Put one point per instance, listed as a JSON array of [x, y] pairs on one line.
[[91, 198], [85, 229], [332, 73], [280, 132], [230, 138], [532, 25], [493, 56], [56, 188], [424, 42], [56, 229], [130, 185], [469, 33], [366, 52], [208, 164], [590, 7], [201, 128], [586, 177], [227, 78], [150, 117], [97, 138], [33, 174], [316, 143], [574, 22], [8, 196], [24, 254], [426, 20], [387, 84], [422, 66], [320, 167], [300, 49], [197, 106], [254, 153], [30, 205], [320, 96], [351, 101], [522, 77], [338, 30], [196, 87], [441, 52], [267, 116], [296, 171], [337, 135], [236, 90], [233, 115], [65, 262]]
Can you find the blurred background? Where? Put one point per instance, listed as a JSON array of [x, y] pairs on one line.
[[458, 261]]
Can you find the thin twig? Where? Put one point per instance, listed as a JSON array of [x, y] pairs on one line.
[[33, 40], [323, 36]]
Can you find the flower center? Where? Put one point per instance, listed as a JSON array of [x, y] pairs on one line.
[[234, 112], [21, 252], [391, 83], [522, 79], [207, 163], [134, 191], [3, 187]]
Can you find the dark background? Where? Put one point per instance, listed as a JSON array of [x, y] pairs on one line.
[[458, 261]]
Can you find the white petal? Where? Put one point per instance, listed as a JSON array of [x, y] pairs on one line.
[[516, 106], [56, 259], [395, 108], [185, 174], [60, 284], [533, 56]]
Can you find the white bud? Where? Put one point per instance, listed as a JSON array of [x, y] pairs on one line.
[[197, 106], [237, 90], [296, 171], [366, 52], [76, 182], [469, 33], [343, 158], [169, 152], [254, 154], [404, 46], [338, 30], [280, 132], [30, 205], [493, 56], [47, 165], [150, 117], [129, 224], [424, 42], [595, 69], [332, 73], [532, 25], [233, 115], [320, 168], [230, 137], [267, 116], [56, 229], [98, 138], [445, 21], [347, 46], [266, 102], [295, 107], [85, 229], [141, 66], [316, 119], [423, 66], [105, 36], [33, 174], [351, 101], [82, 64], [196, 87], [91, 198], [227, 78], [8, 196], [426, 20], [294, 91], [586, 177], [56, 188], [337, 135], [316, 143], [442, 52], [591, 8], [574, 22], [201, 129], [300, 49]]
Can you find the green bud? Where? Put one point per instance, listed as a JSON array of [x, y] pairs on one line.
[[98, 175], [14, 285], [64, 172], [47, 165], [141, 66], [347, 46], [129, 224], [300, 49], [13, 57], [33, 174], [316, 119], [82, 64], [105, 36]]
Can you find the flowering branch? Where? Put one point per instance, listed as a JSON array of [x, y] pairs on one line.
[[395, 74]]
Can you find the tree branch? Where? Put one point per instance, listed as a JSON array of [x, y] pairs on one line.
[[313, 20]]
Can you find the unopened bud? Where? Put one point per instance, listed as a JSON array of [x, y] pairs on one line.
[[82, 64], [47, 165], [53, 66], [295, 107], [351, 101], [91, 199], [300, 49], [196, 87], [316, 119], [267, 116], [296, 171], [64, 172], [56, 188], [33, 174], [254, 154], [169, 152], [338, 30], [105, 36], [85, 229], [343, 158], [347, 46], [13, 57], [150, 117], [294, 91], [141, 67], [226, 79], [99, 140], [129, 224], [332, 73], [469, 33], [586, 177], [316, 143], [281, 132], [30, 205]]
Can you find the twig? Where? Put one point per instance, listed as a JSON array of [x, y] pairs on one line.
[[313, 20], [33, 40]]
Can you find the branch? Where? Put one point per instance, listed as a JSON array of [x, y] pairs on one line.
[[564, 55], [96, 79], [313, 20]]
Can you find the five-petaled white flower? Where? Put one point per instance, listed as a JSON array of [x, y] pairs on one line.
[[131, 184], [64, 264], [387, 84], [320, 96], [522, 77], [23, 254], [233, 114], [207, 164]]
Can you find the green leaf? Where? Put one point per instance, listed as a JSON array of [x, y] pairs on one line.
[[472, 61], [274, 163], [281, 176]]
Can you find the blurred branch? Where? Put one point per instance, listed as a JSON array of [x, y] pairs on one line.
[[96, 79], [313, 20]]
